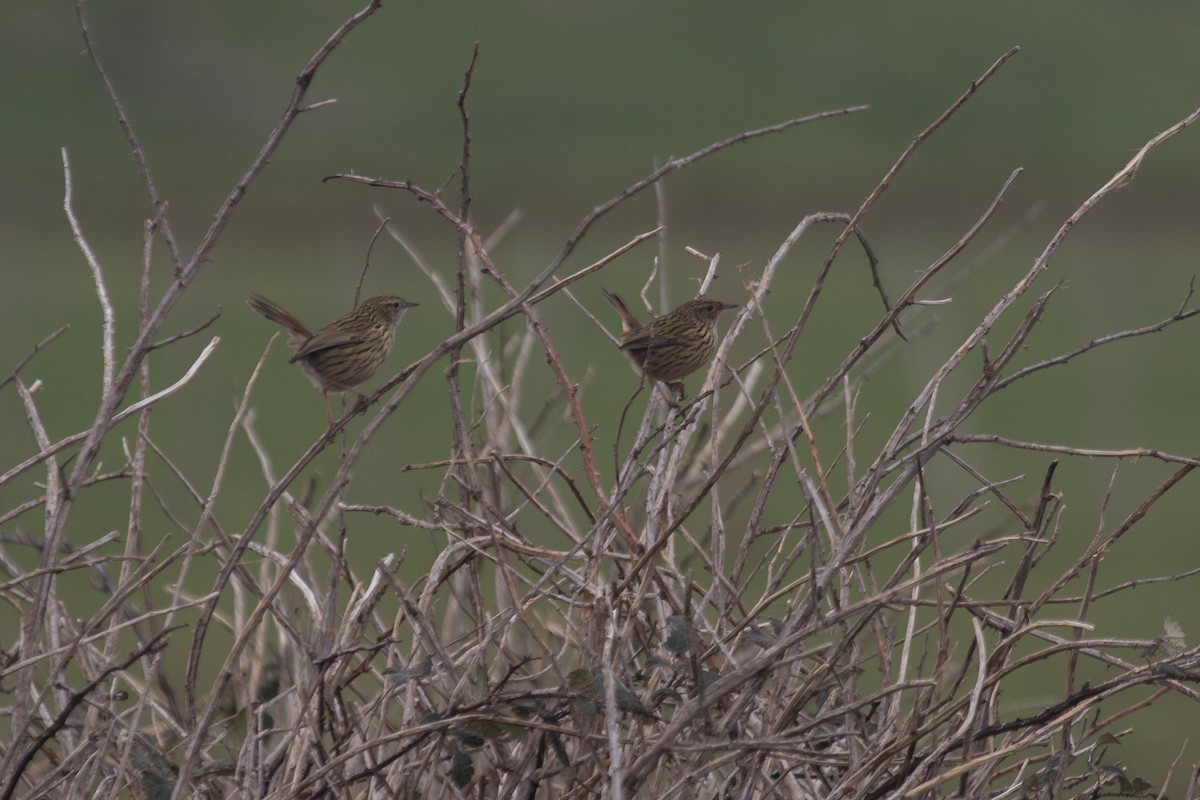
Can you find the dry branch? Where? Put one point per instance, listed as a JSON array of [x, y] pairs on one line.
[[743, 605]]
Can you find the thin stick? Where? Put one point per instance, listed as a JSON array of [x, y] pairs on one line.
[[37, 348], [97, 275]]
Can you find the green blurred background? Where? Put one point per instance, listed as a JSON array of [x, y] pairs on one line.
[[570, 104]]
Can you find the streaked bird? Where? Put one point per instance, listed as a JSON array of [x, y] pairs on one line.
[[673, 346], [347, 351]]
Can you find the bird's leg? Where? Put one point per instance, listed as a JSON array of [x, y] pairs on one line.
[[670, 392], [328, 410]]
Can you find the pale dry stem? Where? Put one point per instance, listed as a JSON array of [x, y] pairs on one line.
[[740, 606]]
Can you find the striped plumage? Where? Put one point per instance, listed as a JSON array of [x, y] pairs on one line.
[[347, 351], [673, 346]]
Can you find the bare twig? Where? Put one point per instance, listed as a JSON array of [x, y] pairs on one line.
[[106, 308], [750, 600]]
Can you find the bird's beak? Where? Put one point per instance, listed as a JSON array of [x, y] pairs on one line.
[[728, 306]]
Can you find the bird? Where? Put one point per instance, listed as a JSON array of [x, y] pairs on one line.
[[673, 346], [347, 351]]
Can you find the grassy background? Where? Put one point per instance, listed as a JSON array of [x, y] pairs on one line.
[[570, 104]]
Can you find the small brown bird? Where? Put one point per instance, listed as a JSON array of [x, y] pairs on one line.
[[672, 346], [345, 352]]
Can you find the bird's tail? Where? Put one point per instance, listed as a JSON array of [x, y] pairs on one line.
[[279, 315], [629, 322]]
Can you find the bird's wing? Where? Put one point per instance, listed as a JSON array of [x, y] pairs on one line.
[[645, 341], [324, 339]]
